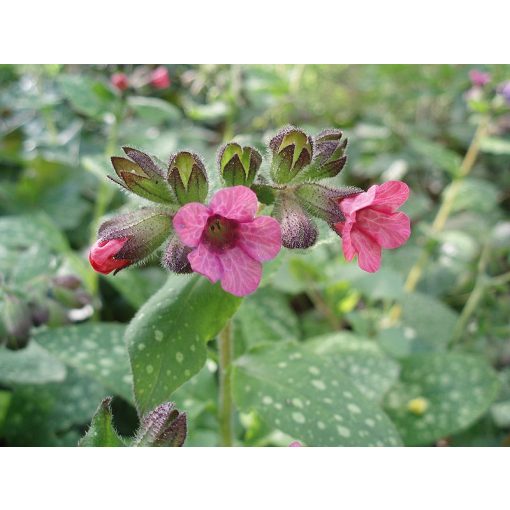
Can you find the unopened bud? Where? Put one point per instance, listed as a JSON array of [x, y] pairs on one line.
[[187, 177], [17, 320], [164, 426], [292, 151], [143, 175], [238, 165], [175, 258], [298, 229], [135, 235]]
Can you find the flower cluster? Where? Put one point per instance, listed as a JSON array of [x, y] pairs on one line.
[[484, 96], [224, 238], [158, 78]]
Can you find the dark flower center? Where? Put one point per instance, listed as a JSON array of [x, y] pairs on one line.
[[220, 233]]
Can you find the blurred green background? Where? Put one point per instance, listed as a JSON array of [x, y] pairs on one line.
[[436, 357]]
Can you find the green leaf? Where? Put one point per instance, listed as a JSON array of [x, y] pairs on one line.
[[440, 394], [266, 315], [101, 431], [154, 109], [32, 365], [475, 195], [167, 337], [87, 96], [5, 400], [46, 414], [138, 285], [306, 396], [495, 145], [96, 350], [437, 154], [361, 360], [428, 324]]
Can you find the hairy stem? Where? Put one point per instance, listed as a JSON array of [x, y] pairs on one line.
[[225, 414]]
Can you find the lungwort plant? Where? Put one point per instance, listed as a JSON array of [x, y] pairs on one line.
[[225, 235]]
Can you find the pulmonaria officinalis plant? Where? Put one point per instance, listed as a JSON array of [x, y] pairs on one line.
[[227, 240]]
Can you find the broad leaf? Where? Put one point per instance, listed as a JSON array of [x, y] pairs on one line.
[[32, 365], [47, 414], [452, 391], [266, 315], [96, 350], [306, 396], [101, 431], [167, 337], [361, 360]]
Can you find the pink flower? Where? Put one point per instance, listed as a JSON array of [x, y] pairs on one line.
[[120, 81], [160, 78], [102, 255], [229, 242], [295, 443], [479, 78], [372, 223]]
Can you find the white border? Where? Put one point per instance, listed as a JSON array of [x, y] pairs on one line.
[[258, 478], [291, 31]]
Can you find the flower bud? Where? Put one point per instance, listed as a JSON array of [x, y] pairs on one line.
[[298, 229], [142, 175], [160, 78], [329, 156], [120, 81], [322, 202], [238, 165], [68, 281], [16, 320], [129, 238], [164, 426], [175, 258], [292, 151], [187, 177]]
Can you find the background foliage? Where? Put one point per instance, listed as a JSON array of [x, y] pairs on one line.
[[324, 353]]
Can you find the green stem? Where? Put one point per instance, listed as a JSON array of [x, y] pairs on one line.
[[225, 415], [475, 297], [443, 212]]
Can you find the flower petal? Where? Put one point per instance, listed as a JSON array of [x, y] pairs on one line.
[[261, 238], [189, 223], [344, 229], [369, 252], [206, 262], [354, 203], [391, 195], [390, 230], [236, 203], [241, 273]]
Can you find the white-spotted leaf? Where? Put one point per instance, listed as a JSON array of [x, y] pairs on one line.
[[307, 397]]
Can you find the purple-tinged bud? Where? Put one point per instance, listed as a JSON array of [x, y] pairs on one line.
[[164, 426], [187, 177], [143, 175], [175, 258], [68, 281], [292, 151], [298, 229], [15, 322], [140, 233], [238, 165]]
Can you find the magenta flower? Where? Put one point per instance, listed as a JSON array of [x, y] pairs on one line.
[[160, 78], [229, 242], [479, 78], [295, 444], [372, 223], [120, 81]]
